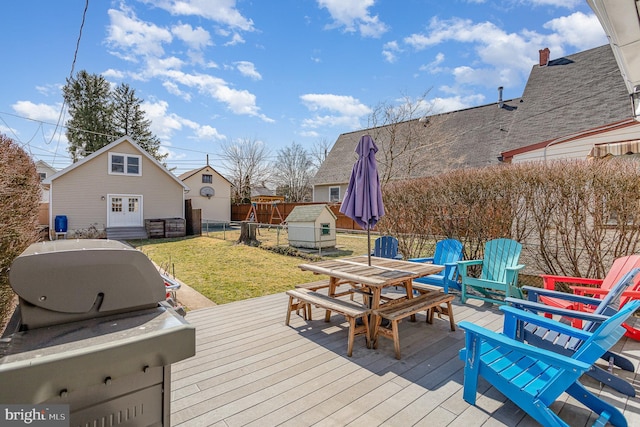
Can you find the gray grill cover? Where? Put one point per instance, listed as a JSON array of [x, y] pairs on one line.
[[69, 280]]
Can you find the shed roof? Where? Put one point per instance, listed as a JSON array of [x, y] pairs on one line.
[[307, 213]]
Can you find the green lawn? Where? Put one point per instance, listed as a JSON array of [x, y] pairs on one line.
[[224, 272]]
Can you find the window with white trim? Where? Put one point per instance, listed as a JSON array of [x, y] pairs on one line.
[[125, 164], [334, 194]]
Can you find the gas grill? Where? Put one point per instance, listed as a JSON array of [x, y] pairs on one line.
[[92, 330]]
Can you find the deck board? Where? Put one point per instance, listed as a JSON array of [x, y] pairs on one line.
[[252, 370]]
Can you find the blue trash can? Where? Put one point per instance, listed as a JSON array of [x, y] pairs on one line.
[[60, 224]]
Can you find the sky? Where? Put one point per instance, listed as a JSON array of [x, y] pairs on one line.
[[275, 72]]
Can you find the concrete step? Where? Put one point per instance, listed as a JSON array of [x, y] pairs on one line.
[[126, 233]]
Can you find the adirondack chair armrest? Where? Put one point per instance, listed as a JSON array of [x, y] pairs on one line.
[[534, 293], [464, 265], [582, 290], [512, 274], [514, 315], [549, 280], [425, 259], [536, 307], [473, 332]]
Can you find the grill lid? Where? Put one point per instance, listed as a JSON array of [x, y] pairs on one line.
[[79, 277]]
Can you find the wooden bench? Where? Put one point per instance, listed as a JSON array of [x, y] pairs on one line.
[[395, 311], [314, 286], [303, 298]]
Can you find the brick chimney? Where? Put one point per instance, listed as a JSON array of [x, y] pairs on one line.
[[544, 56]]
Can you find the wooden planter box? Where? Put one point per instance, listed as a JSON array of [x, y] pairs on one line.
[[154, 227], [174, 227]]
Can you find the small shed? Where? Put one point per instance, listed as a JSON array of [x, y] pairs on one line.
[[312, 226]]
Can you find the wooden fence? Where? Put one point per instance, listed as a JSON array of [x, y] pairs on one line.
[[276, 213]]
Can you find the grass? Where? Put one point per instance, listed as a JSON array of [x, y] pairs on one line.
[[224, 272]]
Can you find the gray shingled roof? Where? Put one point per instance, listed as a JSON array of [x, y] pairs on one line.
[[578, 92], [571, 94]]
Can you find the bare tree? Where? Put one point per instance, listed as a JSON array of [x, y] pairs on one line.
[[399, 131], [246, 161], [293, 171], [319, 152]]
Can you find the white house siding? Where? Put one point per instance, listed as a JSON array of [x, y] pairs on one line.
[[218, 207], [78, 193], [578, 148], [321, 193]]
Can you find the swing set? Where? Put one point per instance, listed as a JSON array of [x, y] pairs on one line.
[[262, 204]]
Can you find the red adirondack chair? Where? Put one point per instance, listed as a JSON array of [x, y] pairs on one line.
[[597, 288]]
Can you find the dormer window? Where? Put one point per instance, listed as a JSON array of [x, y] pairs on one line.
[[125, 164]]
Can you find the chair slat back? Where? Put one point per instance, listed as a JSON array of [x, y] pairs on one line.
[[498, 255], [611, 301], [606, 335], [386, 247], [448, 250], [620, 267]]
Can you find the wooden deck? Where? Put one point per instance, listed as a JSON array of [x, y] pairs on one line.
[[251, 369]]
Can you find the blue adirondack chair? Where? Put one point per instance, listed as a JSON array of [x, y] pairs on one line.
[[499, 275], [448, 252], [386, 247], [561, 343], [533, 378]]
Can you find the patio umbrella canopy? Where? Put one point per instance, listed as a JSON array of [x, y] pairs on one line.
[[363, 199]]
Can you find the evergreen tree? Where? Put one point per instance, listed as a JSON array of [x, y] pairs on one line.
[[129, 119], [90, 127], [99, 115]]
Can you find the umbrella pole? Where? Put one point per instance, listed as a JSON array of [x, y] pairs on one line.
[[369, 242]]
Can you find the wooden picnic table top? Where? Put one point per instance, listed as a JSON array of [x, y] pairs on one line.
[[381, 273]]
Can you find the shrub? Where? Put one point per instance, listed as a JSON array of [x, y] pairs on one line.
[[573, 217], [19, 200]]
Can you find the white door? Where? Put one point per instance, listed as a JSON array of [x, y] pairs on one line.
[[124, 210]]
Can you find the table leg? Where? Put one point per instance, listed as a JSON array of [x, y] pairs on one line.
[[333, 285], [375, 303], [409, 288]]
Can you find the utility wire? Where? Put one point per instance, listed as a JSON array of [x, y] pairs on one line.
[[73, 66]]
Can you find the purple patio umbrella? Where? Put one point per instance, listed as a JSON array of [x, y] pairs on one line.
[[363, 200]]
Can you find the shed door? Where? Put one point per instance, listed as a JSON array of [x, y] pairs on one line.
[[124, 210]]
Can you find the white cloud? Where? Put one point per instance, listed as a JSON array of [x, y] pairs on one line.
[[44, 112], [504, 59], [207, 132], [578, 29], [113, 74], [173, 89], [220, 11], [354, 16], [348, 111], [389, 51], [133, 37], [238, 101], [569, 4], [197, 38], [163, 124], [454, 103], [235, 39], [434, 66], [248, 69]]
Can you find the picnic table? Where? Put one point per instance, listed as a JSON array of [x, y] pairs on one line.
[[382, 273]]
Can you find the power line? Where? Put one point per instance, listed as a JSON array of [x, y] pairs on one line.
[[73, 66]]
